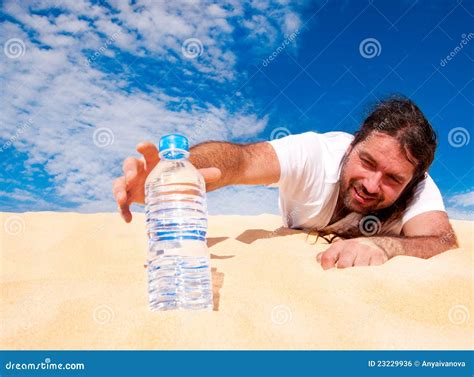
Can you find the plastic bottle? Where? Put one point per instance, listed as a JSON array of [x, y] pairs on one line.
[[178, 265]]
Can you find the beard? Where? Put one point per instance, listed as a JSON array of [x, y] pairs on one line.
[[351, 204], [347, 186]]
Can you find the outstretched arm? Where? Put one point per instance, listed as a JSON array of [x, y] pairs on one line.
[[240, 164], [220, 163]]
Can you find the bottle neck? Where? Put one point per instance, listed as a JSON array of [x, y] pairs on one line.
[[174, 154]]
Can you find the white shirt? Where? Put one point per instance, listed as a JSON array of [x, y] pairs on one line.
[[309, 180]]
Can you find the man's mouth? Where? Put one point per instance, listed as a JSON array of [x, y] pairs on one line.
[[360, 197]]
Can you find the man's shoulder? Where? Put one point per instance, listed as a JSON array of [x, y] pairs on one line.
[[333, 137], [337, 138], [323, 149], [334, 140], [427, 197], [315, 147]]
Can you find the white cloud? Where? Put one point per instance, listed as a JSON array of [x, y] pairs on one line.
[[463, 200], [460, 214], [24, 200], [291, 23], [461, 206], [68, 98]]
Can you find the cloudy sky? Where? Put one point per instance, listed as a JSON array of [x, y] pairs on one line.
[[83, 82]]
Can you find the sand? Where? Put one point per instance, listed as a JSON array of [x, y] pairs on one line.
[[76, 281]]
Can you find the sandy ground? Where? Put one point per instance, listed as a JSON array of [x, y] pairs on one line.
[[75, 281]]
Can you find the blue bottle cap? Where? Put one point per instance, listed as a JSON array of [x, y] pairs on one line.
[[174, 141]]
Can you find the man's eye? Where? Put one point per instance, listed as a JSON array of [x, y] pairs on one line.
[[394, 180], [366, 162]]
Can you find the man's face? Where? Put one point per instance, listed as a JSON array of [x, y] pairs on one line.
[[374, 174]]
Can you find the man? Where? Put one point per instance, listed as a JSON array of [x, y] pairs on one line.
[[372, 189]]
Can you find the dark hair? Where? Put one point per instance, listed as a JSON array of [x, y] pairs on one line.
[[400, 118]]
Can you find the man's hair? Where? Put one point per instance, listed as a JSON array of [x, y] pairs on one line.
[[398, 117]]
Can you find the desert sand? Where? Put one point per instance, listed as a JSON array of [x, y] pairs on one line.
[[77, 281]]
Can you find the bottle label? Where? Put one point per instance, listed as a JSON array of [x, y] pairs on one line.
[[184, 248]]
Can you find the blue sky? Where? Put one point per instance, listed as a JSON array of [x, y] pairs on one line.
[[83, 82]]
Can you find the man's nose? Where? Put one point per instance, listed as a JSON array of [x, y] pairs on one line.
[[372, 183]]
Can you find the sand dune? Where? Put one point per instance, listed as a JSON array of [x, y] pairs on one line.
[[74, 281]]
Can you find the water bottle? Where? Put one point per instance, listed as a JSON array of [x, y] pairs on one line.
[[178, 263]]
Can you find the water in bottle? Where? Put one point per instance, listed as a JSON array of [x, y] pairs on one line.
[[178, 263]]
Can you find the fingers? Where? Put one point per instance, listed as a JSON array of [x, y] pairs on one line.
[[375, 260], [131, 168], [330, 257], [120, 191], [211, 174], [351, 253], [150, 153], [120, 194], [362, 259], [125, 213], [346, 259], [126, 189]]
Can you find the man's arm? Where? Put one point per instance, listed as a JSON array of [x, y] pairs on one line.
[[424, 236], [240, 164], [220, 163]]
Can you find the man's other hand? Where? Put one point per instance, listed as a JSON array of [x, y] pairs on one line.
[[353, 252]]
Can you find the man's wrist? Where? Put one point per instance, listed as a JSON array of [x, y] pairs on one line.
[[390, 245]]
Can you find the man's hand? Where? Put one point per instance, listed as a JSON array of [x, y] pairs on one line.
[[130, 188], [424, 236], [353, 252]]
